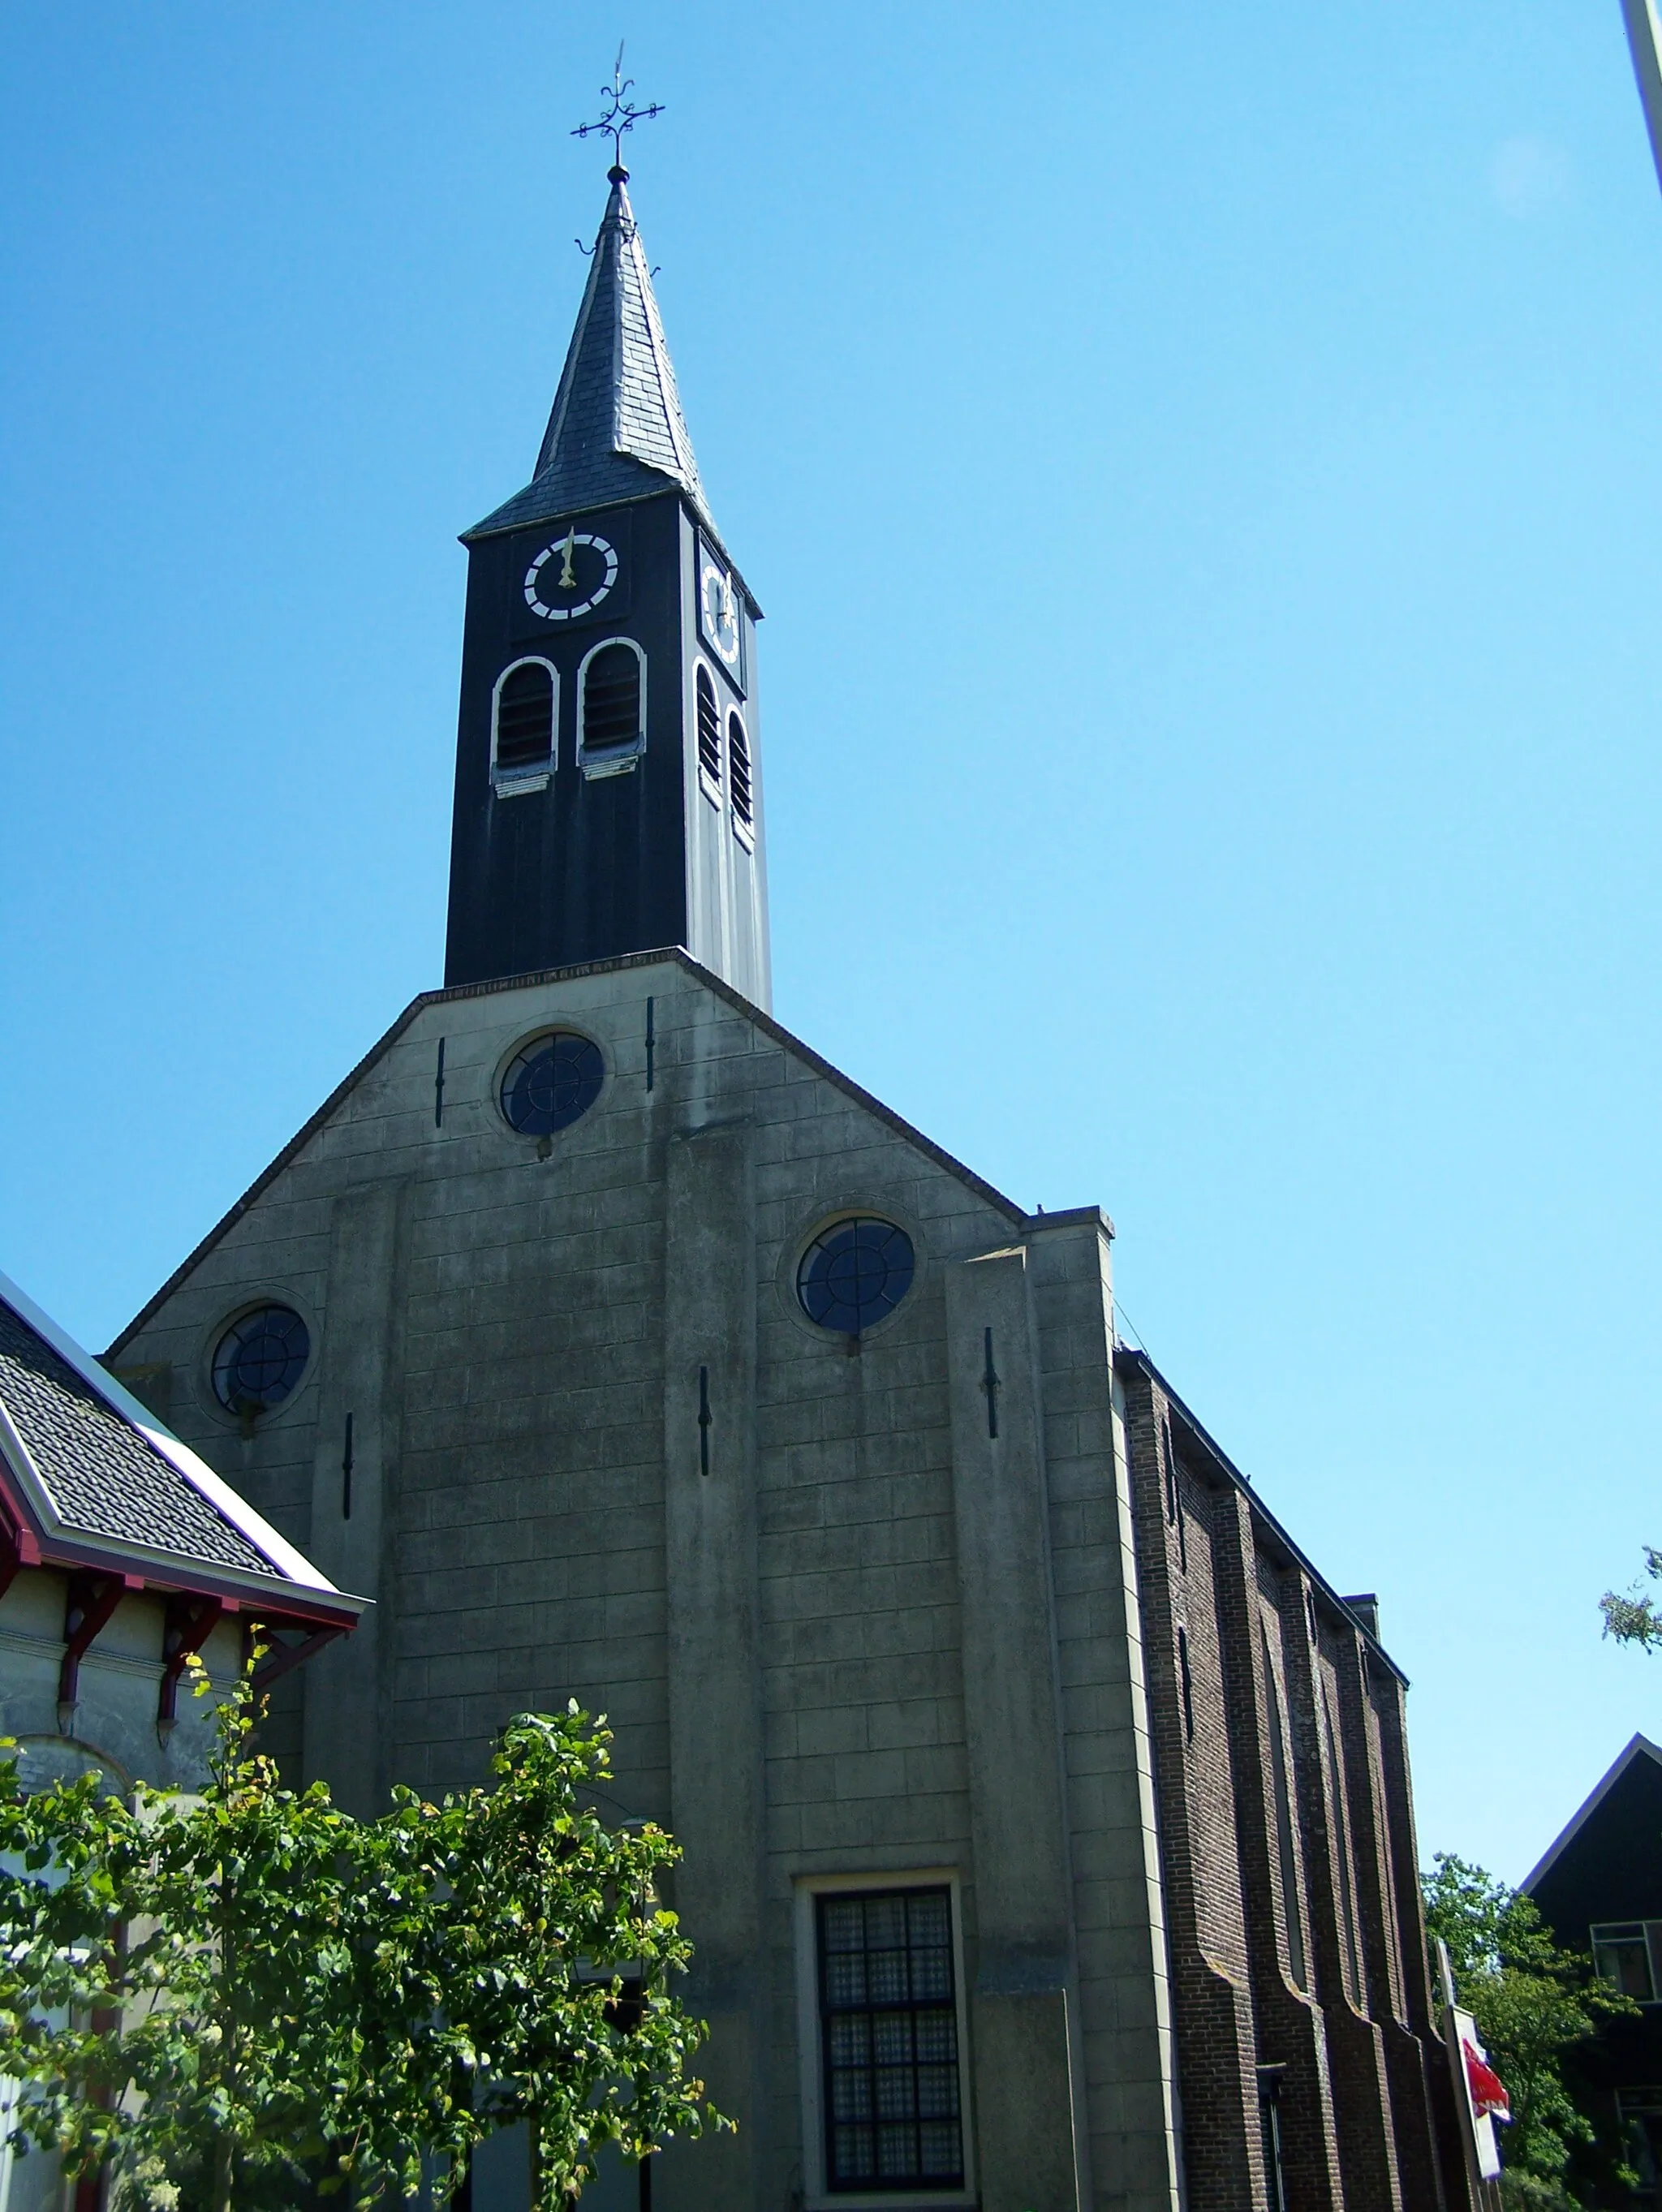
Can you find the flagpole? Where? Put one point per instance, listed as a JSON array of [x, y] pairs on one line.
[[1644, 43]]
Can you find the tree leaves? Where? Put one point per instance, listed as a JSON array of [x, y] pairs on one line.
[[241, 1997], [1634, 1618], [1532, 2003]]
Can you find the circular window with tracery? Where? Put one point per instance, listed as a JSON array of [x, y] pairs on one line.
[[260, 1359], [855, 1273], [552, 1081]]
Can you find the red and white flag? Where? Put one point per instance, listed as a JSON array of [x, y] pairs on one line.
[[1489, 2100]]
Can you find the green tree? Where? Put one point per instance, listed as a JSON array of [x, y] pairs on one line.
[[233, 1999], [1532, 2003], [1634, 1618]]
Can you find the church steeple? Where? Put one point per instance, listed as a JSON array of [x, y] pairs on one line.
[[608, 794], [617, 422]]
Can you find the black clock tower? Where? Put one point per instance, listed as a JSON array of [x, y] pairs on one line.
[[608, 779]]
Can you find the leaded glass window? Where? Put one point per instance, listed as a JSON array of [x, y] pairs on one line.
[[551, 1082], [855, 1273], [260, 1358], [888, 2009]]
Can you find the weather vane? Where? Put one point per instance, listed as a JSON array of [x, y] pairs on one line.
[[622, 115]]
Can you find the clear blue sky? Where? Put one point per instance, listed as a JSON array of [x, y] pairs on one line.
[[1201, 468]]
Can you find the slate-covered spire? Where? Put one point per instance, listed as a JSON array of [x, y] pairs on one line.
[[617, 430]]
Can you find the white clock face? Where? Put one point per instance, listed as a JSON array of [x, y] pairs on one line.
[[570, 577], [721, 611]]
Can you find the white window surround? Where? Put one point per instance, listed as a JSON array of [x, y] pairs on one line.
[[712, 791], [615, 760], [816, 2197], [1610, 1933], [744, 831], [509, 783]]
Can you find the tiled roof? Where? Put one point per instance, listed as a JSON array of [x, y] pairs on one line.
[[89, 1479], [105, 1478], [617, 431]]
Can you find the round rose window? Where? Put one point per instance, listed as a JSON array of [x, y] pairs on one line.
[[855, 1273]]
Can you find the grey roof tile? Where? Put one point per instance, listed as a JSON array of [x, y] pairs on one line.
[[617, 430], [104, 1477]]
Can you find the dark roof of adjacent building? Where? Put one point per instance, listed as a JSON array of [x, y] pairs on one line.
[[89, 1477], [1635, 1774], [617, 431]]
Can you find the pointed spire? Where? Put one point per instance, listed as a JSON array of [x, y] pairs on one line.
[[617, 430]]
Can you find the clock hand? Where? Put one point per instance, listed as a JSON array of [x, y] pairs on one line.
[[567, 574]]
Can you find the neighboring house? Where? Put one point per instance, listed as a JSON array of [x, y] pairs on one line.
[[121, 1555], [1047, 1825], [1600, 1887]]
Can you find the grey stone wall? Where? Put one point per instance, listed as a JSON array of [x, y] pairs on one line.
[[872, 1640]]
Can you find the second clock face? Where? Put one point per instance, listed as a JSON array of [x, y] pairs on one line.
[[570, 577], [718, 610]]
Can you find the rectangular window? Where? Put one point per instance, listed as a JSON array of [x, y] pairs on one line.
[[1281, 1784], [1270, 2081], [1641, 2114], [1623, 1956], [889, 2050], [1185, 1685]]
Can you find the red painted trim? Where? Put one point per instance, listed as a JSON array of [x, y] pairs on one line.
[[87, 1611], [188, 1628], [284, 1656], [37, 1547], [288, 1601]]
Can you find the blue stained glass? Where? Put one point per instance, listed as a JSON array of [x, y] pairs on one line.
[[554, 1080], [855, 1273], [260, 1358]]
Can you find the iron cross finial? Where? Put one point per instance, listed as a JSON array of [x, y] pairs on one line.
[[622, 115]]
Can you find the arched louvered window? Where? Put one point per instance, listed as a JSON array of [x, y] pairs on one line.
[[739, 771], [612, 722], [522, 737], [709, 727]]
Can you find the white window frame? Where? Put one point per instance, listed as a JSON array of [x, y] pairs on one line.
[[1602, 1931], [509, 783], [744, 831], [711, 791], [616, 759], [809, 1888]]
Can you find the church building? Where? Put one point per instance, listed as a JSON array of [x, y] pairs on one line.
[[1048, 1843]]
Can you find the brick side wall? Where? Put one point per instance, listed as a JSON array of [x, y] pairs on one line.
[[1205, 1918], [1366, 2118]]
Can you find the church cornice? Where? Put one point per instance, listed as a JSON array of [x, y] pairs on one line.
[[1131, 1358]]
